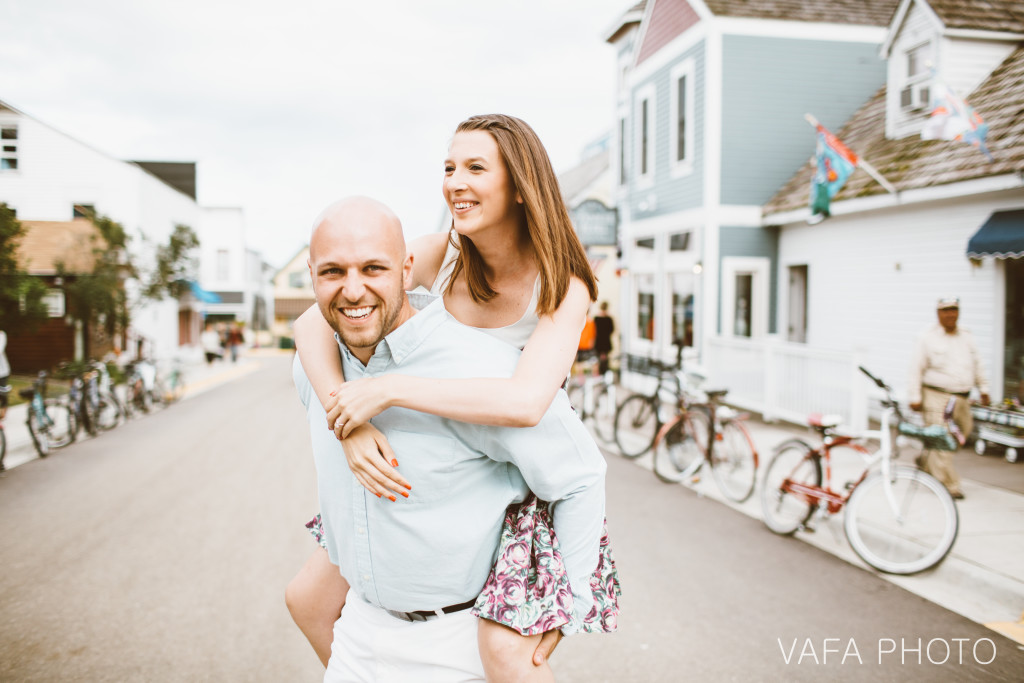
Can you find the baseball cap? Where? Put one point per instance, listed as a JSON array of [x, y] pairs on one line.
[[948, 302]]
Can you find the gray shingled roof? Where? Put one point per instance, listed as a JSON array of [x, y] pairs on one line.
[[911, 162], [862, 12], [984, 15], [582, 175]]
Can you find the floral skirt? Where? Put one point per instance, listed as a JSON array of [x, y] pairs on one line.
[[528, 588]]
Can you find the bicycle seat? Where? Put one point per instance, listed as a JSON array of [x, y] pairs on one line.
[[716, 393], [27, 393], [819, 421]]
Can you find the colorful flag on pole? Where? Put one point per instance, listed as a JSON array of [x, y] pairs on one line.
[[953, 119], [835, 164]]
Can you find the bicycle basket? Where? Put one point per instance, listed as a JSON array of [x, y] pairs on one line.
[[933, 437]]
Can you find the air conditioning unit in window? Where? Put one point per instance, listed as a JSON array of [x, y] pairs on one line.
[[915, 98]]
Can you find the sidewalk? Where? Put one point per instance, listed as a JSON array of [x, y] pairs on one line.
[[199, 377], [983, 576]]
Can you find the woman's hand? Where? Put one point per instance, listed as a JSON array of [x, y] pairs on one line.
[[372, 462], [355, 402]]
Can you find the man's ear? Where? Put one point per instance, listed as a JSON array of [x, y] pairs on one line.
[[407, 272]]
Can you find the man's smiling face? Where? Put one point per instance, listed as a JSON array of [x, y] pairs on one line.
[[360, 273]]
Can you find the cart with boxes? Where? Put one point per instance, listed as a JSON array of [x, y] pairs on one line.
[[1003, 427]]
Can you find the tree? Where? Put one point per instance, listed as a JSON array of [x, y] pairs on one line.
[[175, 265], [21, 295], [99, 298]]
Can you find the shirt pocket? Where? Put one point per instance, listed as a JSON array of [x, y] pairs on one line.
[[427, 461]]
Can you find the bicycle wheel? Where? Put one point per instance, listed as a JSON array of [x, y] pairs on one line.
[[108, 413], [604, 413], [733, 462], [681, 452], [62, 428], [89, 416], [37, 431], [784, 510], [636, 425], [907, 532]]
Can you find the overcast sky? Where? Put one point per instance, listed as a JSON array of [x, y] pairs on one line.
[[288, 105]]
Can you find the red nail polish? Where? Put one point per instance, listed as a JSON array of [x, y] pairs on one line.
[[378, 495], [404, 494], [334, 392], [394, 463], [391, 498], [409, 486]]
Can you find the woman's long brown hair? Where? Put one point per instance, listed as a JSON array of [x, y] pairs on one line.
[[559, 252]]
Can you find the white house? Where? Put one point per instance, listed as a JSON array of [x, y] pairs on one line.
[[234, 273], [49, 177], [869, 276]]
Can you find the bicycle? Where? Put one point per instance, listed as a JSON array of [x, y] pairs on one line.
[[50, 422], [712, 434], [93, 408], [899, 519], [639, 418], [140, 380], [169, 386], [592, 395]]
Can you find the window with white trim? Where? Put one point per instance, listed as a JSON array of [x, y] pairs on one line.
[[645, 126], [623, 175], [8, 147], [681, 118], [915, 95], [645, 306], [223, 264]]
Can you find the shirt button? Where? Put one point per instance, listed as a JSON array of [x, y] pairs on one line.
[[366, 577], [361, 531]]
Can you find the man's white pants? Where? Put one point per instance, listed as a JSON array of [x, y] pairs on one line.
[[371, 645]]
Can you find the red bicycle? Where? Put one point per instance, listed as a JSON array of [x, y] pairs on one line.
[[708, 433]]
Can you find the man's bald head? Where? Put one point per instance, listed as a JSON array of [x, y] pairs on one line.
[[355, 216], [360, 272]]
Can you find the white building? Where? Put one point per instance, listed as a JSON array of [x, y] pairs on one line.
[[47, 176]]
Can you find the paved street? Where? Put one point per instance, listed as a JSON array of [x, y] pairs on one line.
[[160, 552]]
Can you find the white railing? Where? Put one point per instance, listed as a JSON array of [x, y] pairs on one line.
[[787, 381]]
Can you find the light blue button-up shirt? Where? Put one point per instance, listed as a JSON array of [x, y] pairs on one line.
[[437, 547]]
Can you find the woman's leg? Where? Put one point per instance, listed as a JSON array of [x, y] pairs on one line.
[[508, 656], [315, 598]]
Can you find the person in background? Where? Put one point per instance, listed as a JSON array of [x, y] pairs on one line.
[[946, 365], [210, 342], [235, 340], [5, 374], [585, 349], [604, 326]]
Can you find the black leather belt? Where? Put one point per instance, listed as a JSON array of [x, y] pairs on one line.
[[961, 394], [425, 614]]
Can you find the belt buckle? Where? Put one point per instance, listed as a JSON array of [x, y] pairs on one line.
[[408, 616]]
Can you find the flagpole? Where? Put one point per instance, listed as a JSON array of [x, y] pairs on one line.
[[861, 161]]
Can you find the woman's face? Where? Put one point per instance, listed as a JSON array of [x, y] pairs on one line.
[[477, 185]]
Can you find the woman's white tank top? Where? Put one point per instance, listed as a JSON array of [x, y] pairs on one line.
[[516, 334]]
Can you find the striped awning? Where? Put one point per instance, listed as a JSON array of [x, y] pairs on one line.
[[1001, 236]]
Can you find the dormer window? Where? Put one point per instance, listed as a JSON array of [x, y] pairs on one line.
[[915, 93]]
